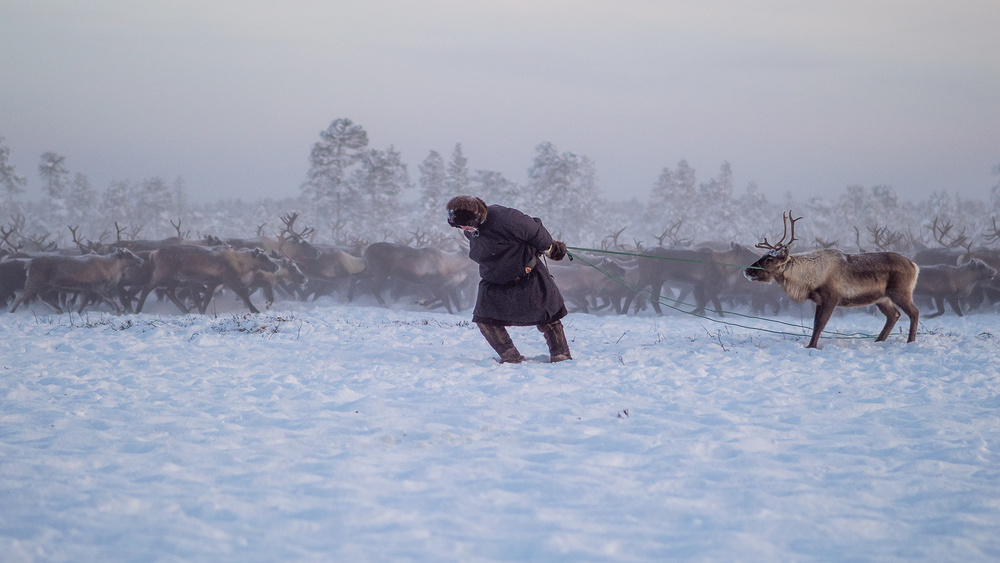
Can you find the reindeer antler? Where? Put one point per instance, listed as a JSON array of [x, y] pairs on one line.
[[611, 241], [177, 226], [883, 238], [672, 232], [5, 238], [289, 220], [992, 235], [942, 234], [786, 219], [76, 238]]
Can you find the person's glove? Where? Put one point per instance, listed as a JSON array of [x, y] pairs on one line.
[[557, 251]]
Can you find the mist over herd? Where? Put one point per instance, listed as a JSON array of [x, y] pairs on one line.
[[365, 225]]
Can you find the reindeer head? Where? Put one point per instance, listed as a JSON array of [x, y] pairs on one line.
[[777, 255], [129, 257], [262, 260], [293, 244], [983, 271]]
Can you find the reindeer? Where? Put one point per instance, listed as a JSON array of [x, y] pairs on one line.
[[988, 290], [94, 273], [293, 244], [439, 272], [143, 245], [581, 284], [704, 271], [831, 278], [326, 270], [8, 248], [288, 273], [952, 283], [209, 266], [13, 274], [133, 279]]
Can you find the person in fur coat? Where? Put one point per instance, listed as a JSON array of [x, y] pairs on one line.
[[515, 288]]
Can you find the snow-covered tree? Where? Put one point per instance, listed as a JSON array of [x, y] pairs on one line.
[[493, 187], [55, 183], [180, 198], [994, 191], [13, 183], [458, 175], [751, 208], [433, 196], [563, 188], [117, 202], [674, 199], [341, 145], [374, 192], [81, 199], [154, 207], [719, 190], [675, 190]]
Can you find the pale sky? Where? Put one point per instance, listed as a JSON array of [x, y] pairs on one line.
[[806, 97]]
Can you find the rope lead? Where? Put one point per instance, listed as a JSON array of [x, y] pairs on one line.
[[648, 294]]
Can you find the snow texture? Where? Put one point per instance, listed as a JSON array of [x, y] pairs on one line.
[[328, 432]]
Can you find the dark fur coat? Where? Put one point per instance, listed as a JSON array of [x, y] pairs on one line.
[[507, 242]]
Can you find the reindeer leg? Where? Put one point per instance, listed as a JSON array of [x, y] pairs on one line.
[[142, 298], [106, 295], [654, 297], [46, 297], [905, 302], [124, 298], [201, 301], [83, 304], [891, 313], [700, 299], [173, 298], [446, 298], [352, 281], [377, 290], [628, 301], [824, 310], [268, 296], [953, 301], [245, 296], [718, 304], [939, 303], [26, 295]]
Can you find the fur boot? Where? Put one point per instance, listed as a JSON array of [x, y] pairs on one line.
[[556, 339], [500, 341]]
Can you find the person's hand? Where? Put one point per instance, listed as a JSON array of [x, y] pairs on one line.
[[557, 251]]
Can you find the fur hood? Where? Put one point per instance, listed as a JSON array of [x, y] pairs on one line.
[[466, 211]]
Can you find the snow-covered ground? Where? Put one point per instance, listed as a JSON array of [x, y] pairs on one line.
[[326, 432]]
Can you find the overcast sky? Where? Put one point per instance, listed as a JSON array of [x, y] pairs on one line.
[[801, 97]]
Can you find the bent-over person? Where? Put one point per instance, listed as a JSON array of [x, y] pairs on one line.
[[515, 288]]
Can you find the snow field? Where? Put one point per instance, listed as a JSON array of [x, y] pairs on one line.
[[324, 432]]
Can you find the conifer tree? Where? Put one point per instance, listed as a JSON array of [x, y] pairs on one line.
[[341, 146], [458, 175], [13, 183], [433, 196]]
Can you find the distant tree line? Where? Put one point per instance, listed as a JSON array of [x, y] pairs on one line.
[[352, 192]]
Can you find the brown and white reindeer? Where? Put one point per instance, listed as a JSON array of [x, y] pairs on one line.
[[830, 278], [210, 266], [952, 284], [436, 272], [94, 273]]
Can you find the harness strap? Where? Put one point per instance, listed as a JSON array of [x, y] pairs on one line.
[[527, 269]]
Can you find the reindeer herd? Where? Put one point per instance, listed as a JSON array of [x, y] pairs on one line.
[[190, 273]]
